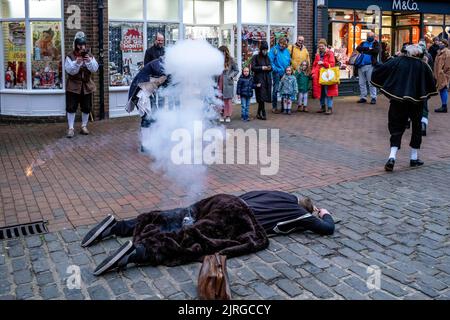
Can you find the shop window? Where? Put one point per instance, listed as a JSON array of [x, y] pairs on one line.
[[363, 16], [252, 36], [170, 32], [408, 20], [254, 11], [126, 52], [210, 34], [14, 44], [431, 32], [12, 8], [46, 66], [131, 9], [340, 15], [281, 11], [201, 12], [386, 21], [162, 10], [433, 19], [281, 32], [45, 8], [342, 44], [230, 11]]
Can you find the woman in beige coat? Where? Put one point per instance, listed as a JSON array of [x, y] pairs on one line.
[[442, 74]]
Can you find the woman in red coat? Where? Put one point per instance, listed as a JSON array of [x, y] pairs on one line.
[[324, 59]]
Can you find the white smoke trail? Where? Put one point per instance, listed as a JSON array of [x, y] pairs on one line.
[[192, 65]]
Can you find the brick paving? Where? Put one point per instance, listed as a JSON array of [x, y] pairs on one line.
[[398, 222]]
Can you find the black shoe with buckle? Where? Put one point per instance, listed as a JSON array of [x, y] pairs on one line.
[[118, 260], [416, 163], [100, 231], [389, 166]]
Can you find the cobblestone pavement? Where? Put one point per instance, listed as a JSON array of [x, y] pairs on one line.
[[75, 182], [398, 223]]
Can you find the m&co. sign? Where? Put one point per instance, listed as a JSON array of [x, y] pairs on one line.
[[405, 5]]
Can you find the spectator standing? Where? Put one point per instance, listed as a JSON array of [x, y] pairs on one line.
[[369, 50], [280, 59], [299, 53], [262, 76], [442, 74]]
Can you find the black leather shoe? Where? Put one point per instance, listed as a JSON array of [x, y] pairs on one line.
[[362, 100], [389, 166], [424, 129], [441, 110], [416, 163]]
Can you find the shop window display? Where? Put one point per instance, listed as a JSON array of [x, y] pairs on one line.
[[170, 32], [15, 55], [46, 63], [210, 34], [252, 36], [280, 32], [126, 55], [12, 8]]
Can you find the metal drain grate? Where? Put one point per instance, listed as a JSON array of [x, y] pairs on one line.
[[23, 230]]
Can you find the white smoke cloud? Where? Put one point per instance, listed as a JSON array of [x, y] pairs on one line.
[[192, 65]]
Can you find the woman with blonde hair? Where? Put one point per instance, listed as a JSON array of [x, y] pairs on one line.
[[324, 59], [226, 84]]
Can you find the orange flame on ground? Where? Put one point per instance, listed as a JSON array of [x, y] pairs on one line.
[[30, 168], [29, 171]]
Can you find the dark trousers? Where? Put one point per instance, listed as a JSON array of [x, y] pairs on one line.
[[261, 109], [124, 228], [74, 100], [399, 112]]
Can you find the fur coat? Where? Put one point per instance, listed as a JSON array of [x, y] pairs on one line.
[[442, 69], [223, 224]]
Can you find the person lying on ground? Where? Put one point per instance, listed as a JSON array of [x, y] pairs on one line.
[[227, 224]]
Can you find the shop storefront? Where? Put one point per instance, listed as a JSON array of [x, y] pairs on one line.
[[239, 24], [31, 42], [394, 23]]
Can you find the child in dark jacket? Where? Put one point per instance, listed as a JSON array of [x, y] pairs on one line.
[[303, 77], [244, 91]]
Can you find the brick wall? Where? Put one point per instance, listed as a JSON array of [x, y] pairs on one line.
[[89, 26], [305, 22]]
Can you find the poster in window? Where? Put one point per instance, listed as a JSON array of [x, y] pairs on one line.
[[280, 32], [15, 55], [126, 54], [252, 36], [46, 58]]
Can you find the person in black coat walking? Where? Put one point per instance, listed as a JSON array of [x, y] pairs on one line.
[[262, 77]]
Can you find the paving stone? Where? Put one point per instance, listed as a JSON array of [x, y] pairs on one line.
[[404, 267], [81, 259], [55, 246], [49, 292], [16, 250], [190, 289], [40, 265], [98, 292], [315, 288], [290, 287], [241, 290], [5, 287], [33, 241], [165, 287], [24, 291], [426, 289], [348, 292], [36, 254], [380, 295], [59, 256], [263, 290], [152, 272], [70, 236], [44, 279], [75, 248], [142, 288], [19, 264], [178, 296], [380, 239], [22, 277], [265, 256], [317, 261], [264, 271], [327, 279], [118, 286], [73, 294], [290, 258], [286, 270], [178, 274], [96, 249], [337, 272], [127, 296], [357, 284], [246, 275], [396, 275]]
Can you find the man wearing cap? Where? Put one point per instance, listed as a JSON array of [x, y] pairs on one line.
[[79, 65]]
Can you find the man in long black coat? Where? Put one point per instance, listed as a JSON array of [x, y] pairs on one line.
[[226, 224], [408, 82], [262, 77]]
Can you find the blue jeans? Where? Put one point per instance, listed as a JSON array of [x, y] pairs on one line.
[[325, 99], [245, 103], [444, 95], [276, 83]]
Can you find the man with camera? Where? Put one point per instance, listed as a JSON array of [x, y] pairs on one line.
[[79, 65]]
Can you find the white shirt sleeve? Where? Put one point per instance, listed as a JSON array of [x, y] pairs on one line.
[[72, 67], [93, 65]]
